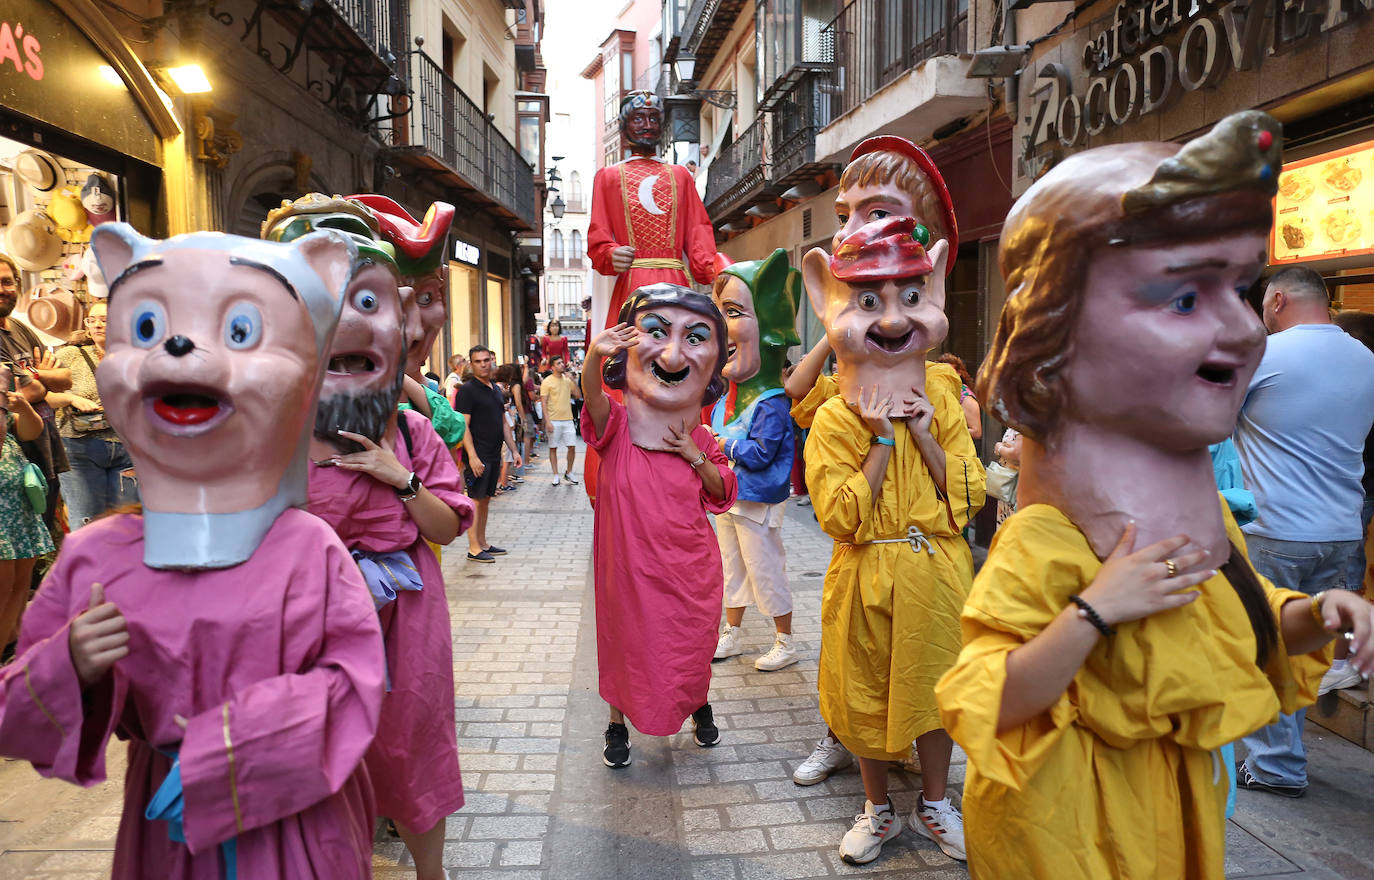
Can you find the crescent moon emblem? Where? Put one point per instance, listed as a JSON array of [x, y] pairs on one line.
[[646, 194]]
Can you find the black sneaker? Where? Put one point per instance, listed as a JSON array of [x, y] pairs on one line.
[[617, 751], [704, 729], [1247, 780], [495, 551]]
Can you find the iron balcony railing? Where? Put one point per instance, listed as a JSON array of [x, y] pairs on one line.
[[381, 24], [797, 116], [740, 171], [876, 41], [458, 133]]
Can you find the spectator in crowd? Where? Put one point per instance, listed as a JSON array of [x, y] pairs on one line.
[[529, 377], [553, 344], [22, 535], [1301, 442], [1360, 325], [557, 392], [101, 475], [36, 373], [972, 414], [456, 362], [481, 403]]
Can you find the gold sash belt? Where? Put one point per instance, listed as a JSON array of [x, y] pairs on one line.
[[658, 263]]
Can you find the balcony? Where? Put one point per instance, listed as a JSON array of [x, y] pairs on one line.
[[707, 25], [576, 205], [876, 41], [359, 40], [739, 177], [797, 116], [794, 41], [898, 69], [450, 136]]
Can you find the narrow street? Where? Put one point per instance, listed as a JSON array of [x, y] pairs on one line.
[[542, 806]]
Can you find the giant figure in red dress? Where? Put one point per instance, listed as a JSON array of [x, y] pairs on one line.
[[648, 223]]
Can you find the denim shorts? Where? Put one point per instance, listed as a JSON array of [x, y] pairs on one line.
[[1308, 566]]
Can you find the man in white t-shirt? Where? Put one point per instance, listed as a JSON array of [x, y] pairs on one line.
[[454, 378], [1301, 440], [557, 391]]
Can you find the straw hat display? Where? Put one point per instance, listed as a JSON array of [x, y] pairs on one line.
[[56, 311], [32, 240], [39, 170]]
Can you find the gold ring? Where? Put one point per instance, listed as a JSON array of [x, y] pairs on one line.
[[1171, 568]]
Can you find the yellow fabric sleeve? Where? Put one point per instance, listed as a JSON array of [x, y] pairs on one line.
[[804, 410], [835, 453]]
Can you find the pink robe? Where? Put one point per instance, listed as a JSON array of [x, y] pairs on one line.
[[414, 760], [659, 581], [276, 663]]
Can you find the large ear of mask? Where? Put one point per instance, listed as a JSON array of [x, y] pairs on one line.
[[212, 367], [881, 298]]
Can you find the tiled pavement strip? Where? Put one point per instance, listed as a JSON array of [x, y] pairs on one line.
[[541, 804]]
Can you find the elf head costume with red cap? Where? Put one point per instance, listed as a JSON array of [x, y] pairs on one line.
[[889, 176], [421, 251], [881, 298]]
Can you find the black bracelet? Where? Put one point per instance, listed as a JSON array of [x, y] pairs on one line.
[[1088, 613]]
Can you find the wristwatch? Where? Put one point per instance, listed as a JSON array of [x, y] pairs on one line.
[[410, 489]]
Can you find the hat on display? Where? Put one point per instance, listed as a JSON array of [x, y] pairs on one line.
[[56, 313], [95, 279], [39, 170], [31, 239]]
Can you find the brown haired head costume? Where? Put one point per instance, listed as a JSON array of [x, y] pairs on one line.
[[1125, 346]]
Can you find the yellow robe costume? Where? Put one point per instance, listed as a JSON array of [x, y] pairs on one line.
[[890, 611], [804, 410], [1121, 777]]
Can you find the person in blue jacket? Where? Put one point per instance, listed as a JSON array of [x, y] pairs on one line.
[[753, 423]]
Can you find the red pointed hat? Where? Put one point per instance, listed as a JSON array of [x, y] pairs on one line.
[[895, 144], [883, 249], [419, 246]]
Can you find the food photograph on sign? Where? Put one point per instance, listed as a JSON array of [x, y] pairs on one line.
[[1325, 206]]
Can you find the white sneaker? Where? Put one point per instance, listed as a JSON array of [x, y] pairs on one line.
[[912, 762], [556, 480], [826, 758], [871, 830], [572, 481], [728, 646], [1341, 675], [781, 654], [943, 824]]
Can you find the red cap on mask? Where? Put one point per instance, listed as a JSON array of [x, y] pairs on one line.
[[895, 144], [880, 250]]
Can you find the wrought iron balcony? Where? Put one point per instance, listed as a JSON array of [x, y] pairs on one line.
[[453, 136], [876, 41], [796, 117], [740, 174], [707, 25]]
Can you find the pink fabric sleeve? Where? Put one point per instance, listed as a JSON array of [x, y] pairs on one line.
[[698, 236], [43, 718], [290, 741], [616, 423], [601, 233], [434, 466], [706, 442]]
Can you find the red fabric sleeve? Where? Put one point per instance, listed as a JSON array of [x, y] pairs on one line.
[[698, 237], [433, 464], [601, 233], [616, 423]]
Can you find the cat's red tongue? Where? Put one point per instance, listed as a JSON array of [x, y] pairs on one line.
[[186, 414]]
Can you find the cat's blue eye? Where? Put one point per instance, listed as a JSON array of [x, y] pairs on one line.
[[149, 324], [243, 326]]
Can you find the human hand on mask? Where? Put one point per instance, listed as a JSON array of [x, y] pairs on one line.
[[876, 413], [680, 441], [377, 462], [920, 414], [622, 258], [1131, 585], [613, 340], [97, 639]]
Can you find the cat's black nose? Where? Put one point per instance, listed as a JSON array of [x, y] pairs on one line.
[[178, 345]]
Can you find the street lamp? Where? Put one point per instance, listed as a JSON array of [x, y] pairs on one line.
[[558, 207], [686, 66]]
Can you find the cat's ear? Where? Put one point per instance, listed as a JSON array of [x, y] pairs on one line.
[[116, 247], [331, 256]]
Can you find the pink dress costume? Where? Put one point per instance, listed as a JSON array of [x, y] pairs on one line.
[[659, 581], [278, 720], [414, 759]]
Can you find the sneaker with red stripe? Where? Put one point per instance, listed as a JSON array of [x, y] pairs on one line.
[[871, 830], [942, 823]]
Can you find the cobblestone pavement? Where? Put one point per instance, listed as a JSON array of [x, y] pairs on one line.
[[540, 804]]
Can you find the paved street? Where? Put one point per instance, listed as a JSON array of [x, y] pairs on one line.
[[542, 805]]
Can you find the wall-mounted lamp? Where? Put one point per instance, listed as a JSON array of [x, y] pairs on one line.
[[558, 207], [686, 69], [997, 62], [185, 79]]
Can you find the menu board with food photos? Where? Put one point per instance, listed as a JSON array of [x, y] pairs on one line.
[[1325, 207]]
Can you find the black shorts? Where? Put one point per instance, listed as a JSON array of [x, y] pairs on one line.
[[485, 485]]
